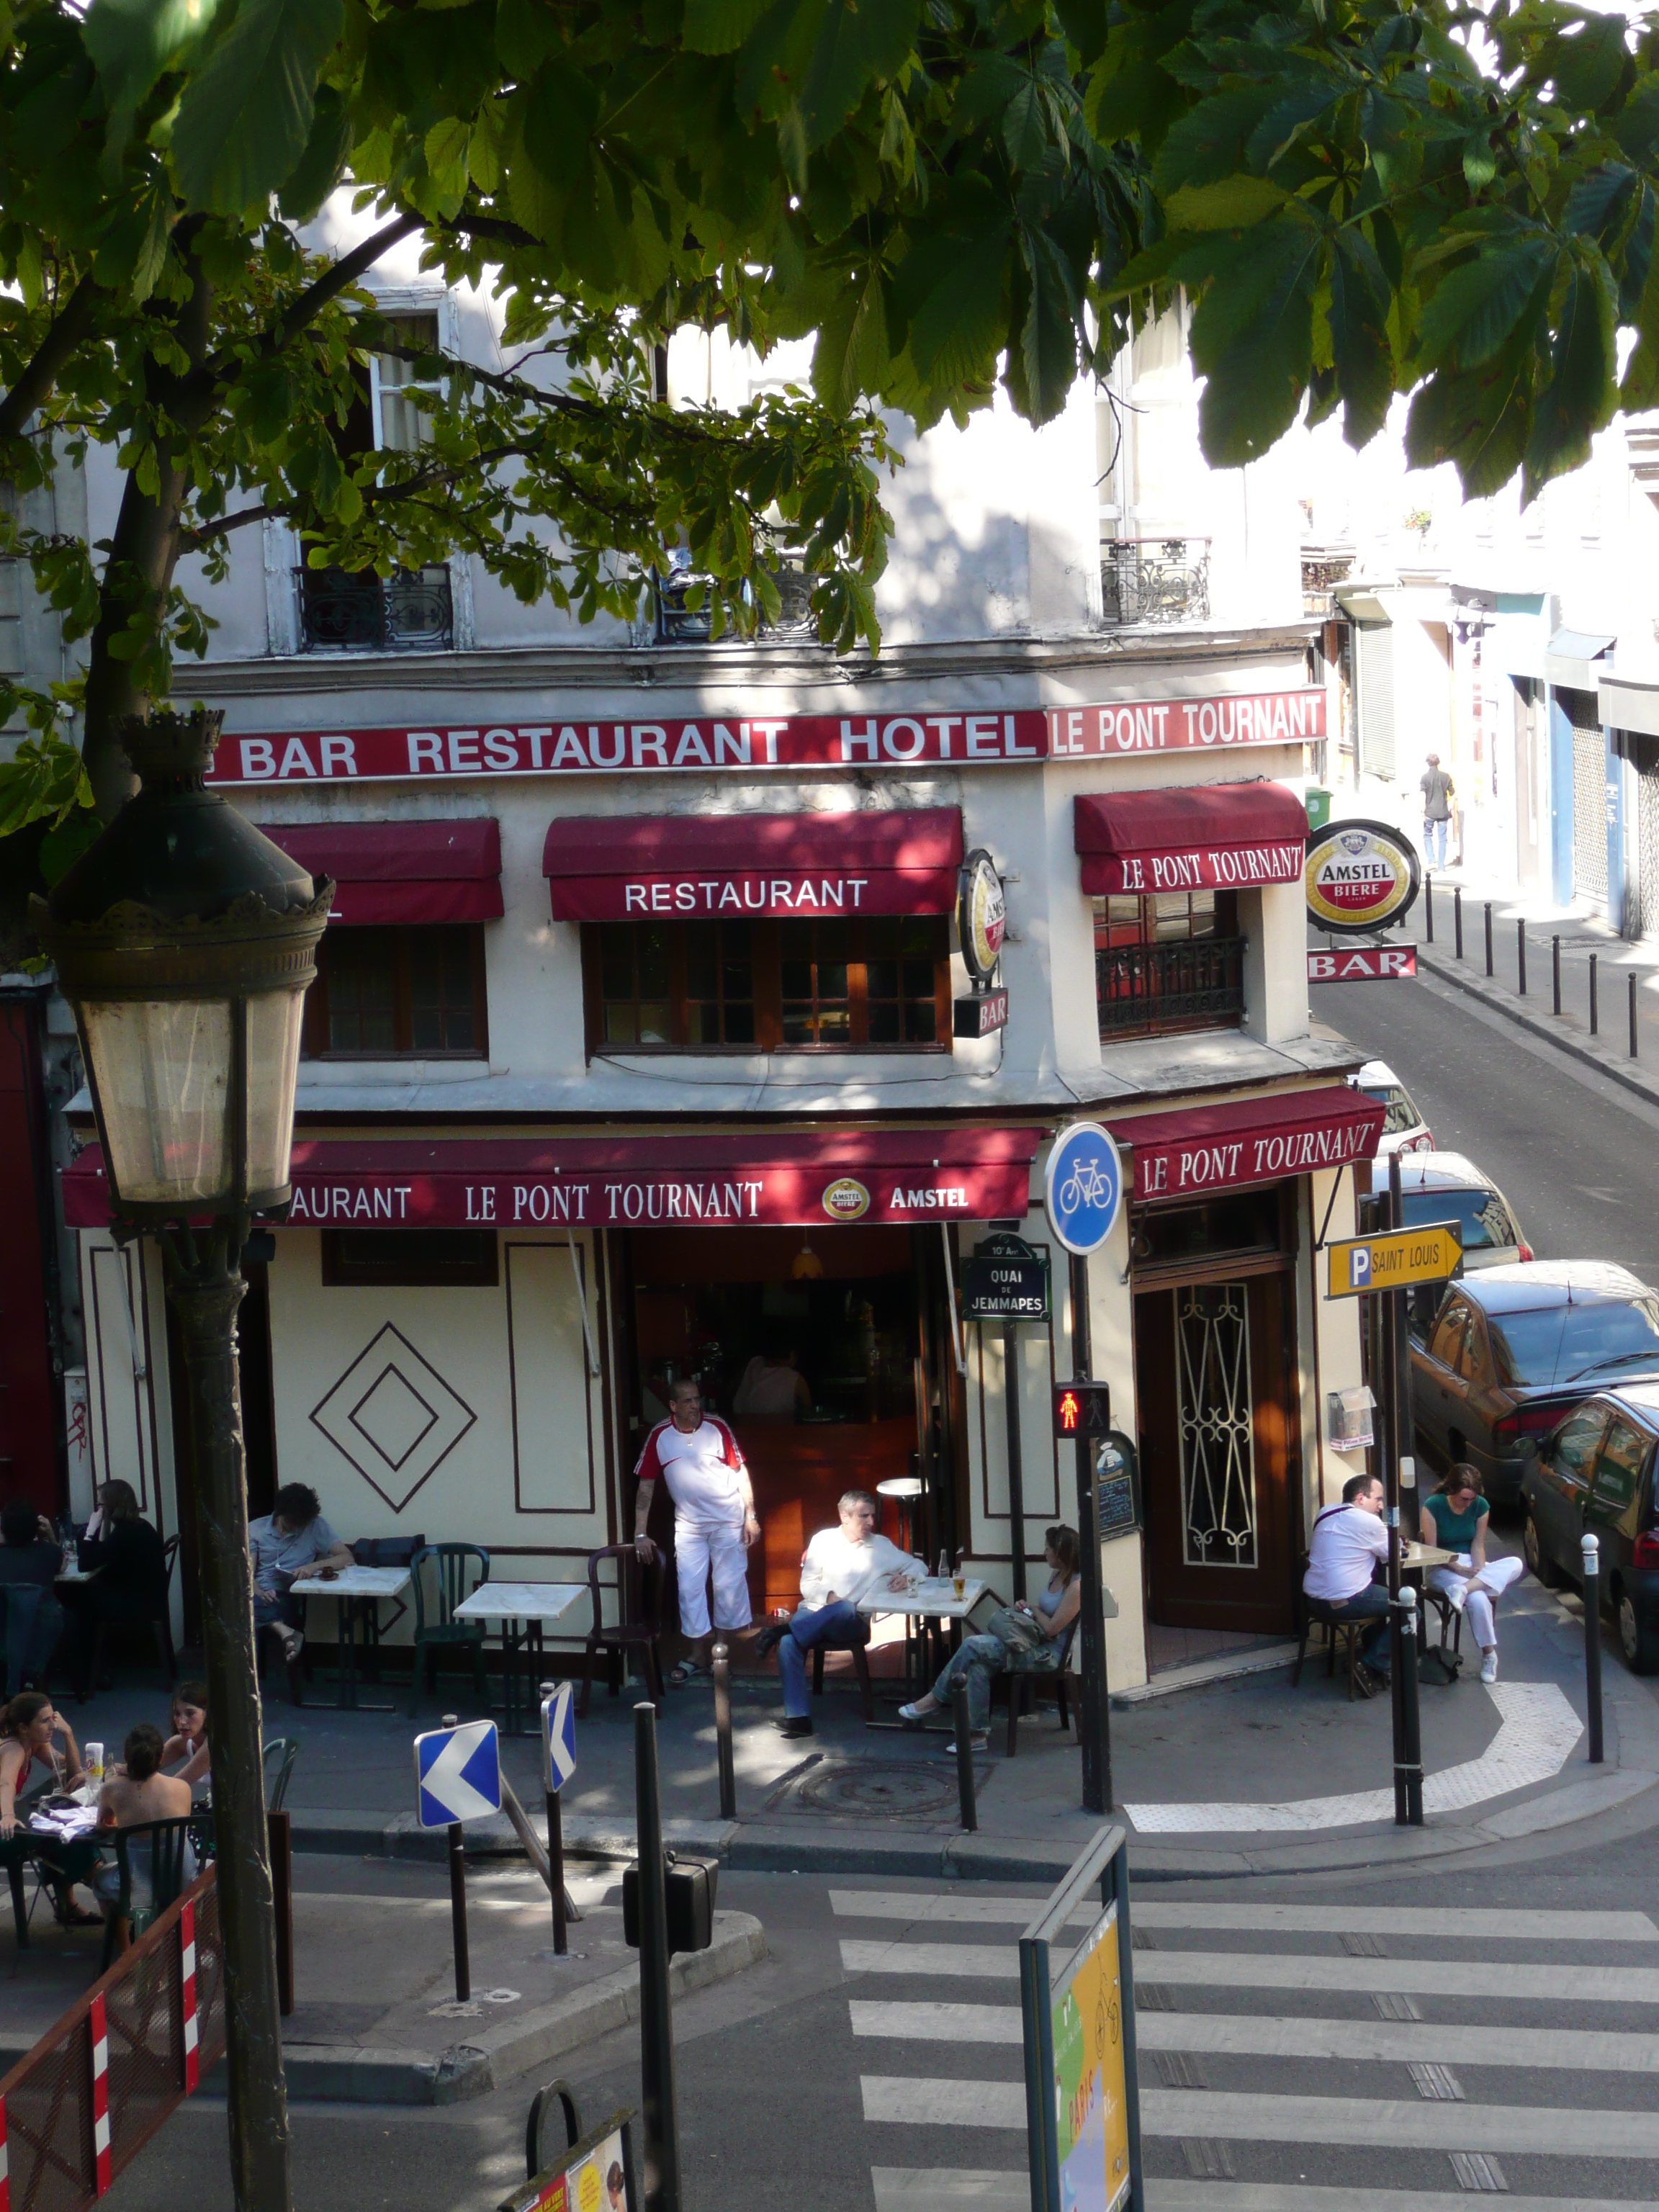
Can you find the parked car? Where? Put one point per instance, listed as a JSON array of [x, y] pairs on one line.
[[1404, 1129], [1510, 1350], [1448, 1187], [1595, 1471]]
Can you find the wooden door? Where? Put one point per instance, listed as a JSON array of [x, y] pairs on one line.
[[1216, 1383]]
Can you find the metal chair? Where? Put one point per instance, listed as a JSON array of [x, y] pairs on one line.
[[159, 1624], [161, 1875], [284, 1749], [1311, 1614], [860, 1667], [1026, 1683], [451, 1564], [638, 1626]]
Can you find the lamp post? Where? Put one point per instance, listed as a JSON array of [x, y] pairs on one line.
[[185, 942]]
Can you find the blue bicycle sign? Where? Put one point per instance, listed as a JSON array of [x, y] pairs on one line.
[[1084, 1187]]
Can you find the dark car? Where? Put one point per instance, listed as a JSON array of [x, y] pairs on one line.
[[1508, 1351], [1594, 1472]]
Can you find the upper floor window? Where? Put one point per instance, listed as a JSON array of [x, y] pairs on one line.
[[380, 993], [1171, 961], [872, 984]]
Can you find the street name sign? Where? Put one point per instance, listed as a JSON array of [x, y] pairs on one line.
[[1004, 1279], [1396, 1261], [559, 1734], [458, 1774]]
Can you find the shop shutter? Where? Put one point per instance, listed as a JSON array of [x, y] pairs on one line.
[[1376, 642], [1590, 795], [1647, 831]]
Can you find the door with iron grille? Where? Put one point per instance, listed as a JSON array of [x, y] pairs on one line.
[[1647, 844], [1589, 797], [1219, 1424]]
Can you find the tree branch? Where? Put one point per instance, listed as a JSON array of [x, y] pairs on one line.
[[344, 273], [34, 385]]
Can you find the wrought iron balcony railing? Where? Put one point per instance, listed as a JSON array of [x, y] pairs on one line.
[[1323, 567], [678, 624], [343, 611], [1188, 983], [1155, 580]]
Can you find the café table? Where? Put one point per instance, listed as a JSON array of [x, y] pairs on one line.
[[524, 1609], [932, 1602], [358, 1592], [75, 1860]]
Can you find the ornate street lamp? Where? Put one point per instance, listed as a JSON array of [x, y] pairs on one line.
[[185, 941]]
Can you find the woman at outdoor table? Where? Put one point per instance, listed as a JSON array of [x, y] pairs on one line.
[[39, 1758], [189, 1740], [123, 1555], [1020, 1640], [31, 1558], [137, 1793], [1454, 1518]]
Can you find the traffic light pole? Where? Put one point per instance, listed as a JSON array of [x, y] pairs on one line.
[[1093, 1725]]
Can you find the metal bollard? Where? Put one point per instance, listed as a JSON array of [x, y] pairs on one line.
[[457, 1897], [1633, 1017], [1555, 970], [1408, 1767], [1592, 1546], [1428, 908], [1457, 916], [1488, 937], [1521, 953], [722, 1670], [1595, 1004], [660, 2113], [964, 1754]]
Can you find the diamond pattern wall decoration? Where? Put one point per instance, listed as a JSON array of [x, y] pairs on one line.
[[393, 1417]]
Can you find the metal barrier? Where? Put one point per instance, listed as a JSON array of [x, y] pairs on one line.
[[81, 2105]]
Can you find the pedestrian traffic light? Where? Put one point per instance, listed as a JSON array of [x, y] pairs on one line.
[[1082, 1409]]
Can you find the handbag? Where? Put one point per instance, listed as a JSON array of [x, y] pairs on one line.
[[1018, 1632]]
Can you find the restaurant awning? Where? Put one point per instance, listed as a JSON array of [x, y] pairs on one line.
[[1576, 658], [612, 868], [782, 1178], [1213, 837], [401, 871], [1244, 1140]]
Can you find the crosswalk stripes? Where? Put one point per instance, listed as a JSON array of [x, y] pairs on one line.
[[1276, 2005]]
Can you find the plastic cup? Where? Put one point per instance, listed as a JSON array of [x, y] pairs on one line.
[[94, 1762]]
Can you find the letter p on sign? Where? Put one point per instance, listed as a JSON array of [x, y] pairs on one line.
[[1359, 1267]]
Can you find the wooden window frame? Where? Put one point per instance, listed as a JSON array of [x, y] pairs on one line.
[[766, 956], [314, 1041], [476, 1263], [1160, 960]]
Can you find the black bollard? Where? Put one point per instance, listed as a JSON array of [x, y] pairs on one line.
[[1555, 968], [1408, 1766], [964, 1754], [1633, 1017], [1595, 1003], [1488, 937], [1521, 953], [722, 1672], [1458, 917], [1592, 1546], [458, 1910], [1428, 908], [660, 2121]]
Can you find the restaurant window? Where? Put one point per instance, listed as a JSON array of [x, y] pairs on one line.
[[878, 983], [380, 993], [1174, 960], [410, 1259]]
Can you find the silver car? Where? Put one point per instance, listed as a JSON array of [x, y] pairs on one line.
[[1448, 1187]]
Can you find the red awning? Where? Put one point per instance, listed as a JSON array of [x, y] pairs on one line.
[[609, 867], [1205, 1148], [783, 1178], [402, 872], [1218, 836]]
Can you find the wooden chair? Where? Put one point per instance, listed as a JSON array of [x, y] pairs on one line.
[[453, 1579], [1026, 1683], [148, 1890], [860, 1667], [638, 1626], [1311, 1614]]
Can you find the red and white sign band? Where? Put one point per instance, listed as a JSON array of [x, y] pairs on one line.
[[1200, 868], [1363, 963], [740, 744], [187, 1995], [1248, 1140], [5, 2166], [98, 2029]]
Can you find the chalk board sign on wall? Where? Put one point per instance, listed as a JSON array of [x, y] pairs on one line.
[[1117, 1485]]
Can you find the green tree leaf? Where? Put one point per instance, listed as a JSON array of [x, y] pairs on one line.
[[1474, 307], [1252, 334], [245, 117], [1360, 352], [1578, 396]]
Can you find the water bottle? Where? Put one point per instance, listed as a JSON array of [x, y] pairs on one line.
[[944, 1568]]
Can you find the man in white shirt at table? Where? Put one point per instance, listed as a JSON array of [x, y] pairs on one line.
[[840, 1566], [1348, 1544]]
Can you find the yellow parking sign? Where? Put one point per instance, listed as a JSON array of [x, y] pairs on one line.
[[1394, 1260]]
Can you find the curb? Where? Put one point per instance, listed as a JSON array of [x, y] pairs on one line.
[[1505, 1003]]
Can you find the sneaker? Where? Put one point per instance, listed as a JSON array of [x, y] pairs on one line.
[[1489, 1666], [978, 1740], [912, 1715], [1364, 1681]]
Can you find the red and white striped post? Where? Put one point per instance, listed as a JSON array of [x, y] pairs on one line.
[[98, 2029], [5, 2173], [186, 1995]]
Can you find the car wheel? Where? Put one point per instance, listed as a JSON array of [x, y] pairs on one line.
[[1538, 1561], [1638, 1638]]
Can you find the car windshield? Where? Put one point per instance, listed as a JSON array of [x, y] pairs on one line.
[[1401, 1115], [1547, 1344], [1483, 1220]]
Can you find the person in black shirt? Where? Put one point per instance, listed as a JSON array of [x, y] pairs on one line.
[[122, 1554], [30, 1559]]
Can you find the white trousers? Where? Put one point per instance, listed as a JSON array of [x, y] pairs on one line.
[[1493, 1579], [700, 1552]]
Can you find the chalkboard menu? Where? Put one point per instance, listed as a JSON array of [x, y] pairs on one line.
[[1117, 1486]]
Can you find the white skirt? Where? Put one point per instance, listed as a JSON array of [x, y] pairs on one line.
[[1494, 1578]]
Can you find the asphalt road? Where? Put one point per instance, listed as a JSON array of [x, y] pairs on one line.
[[1573, 1154]]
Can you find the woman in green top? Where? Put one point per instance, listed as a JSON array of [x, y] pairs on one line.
[[1455, 1520]]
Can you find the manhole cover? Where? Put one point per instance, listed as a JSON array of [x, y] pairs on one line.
[[880, 1789]]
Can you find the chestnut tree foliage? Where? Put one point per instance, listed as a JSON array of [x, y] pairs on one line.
[[1360, 197]]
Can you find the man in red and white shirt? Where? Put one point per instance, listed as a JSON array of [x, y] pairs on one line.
[[699, 1458]]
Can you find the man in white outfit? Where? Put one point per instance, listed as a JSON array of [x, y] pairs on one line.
[[714, 1522], [840, 1566], [1348, 1543]]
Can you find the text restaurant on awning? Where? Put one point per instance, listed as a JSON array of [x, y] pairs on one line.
[[1246, 1141], [1218, 836], [401, 871], [775, 1178], [691, 867]]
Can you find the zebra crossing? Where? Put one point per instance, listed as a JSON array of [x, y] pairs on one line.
[[1252, 2020]]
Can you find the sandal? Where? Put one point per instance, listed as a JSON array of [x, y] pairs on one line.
[[687, 1671]]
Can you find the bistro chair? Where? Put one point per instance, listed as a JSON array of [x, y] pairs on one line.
[[638, 1594], [453, 1580], [860, 1667], [381, 1552], [159, 1624], [1027, 1683], [20, 1602], [155, 1862], [283, 1750], [1311, 1613]]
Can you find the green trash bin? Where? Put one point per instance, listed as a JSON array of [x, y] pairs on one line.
[[1319, 807]]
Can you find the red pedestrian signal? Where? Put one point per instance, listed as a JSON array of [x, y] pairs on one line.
[[1082, 1409]]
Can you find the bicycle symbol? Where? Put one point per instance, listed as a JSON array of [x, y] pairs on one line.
[[1087, 1186]]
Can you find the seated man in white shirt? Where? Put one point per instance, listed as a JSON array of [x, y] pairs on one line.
[[840, 1566], [1348, 1541]]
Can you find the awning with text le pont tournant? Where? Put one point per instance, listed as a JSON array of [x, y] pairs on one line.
[[1243, 1140], [401, 871], [776, 1178], [1213, 837], [727, 867]]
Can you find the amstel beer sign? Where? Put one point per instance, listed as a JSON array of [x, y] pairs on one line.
[[1359, 876]]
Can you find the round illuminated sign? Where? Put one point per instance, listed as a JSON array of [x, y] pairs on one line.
[[981, 915], [1359, 876]]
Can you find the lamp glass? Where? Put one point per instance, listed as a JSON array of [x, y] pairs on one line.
[[274, 1022], [161, 1072]]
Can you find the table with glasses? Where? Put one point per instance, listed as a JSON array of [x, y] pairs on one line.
[[932, 1603], [358, 1592], [524, 1610]]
